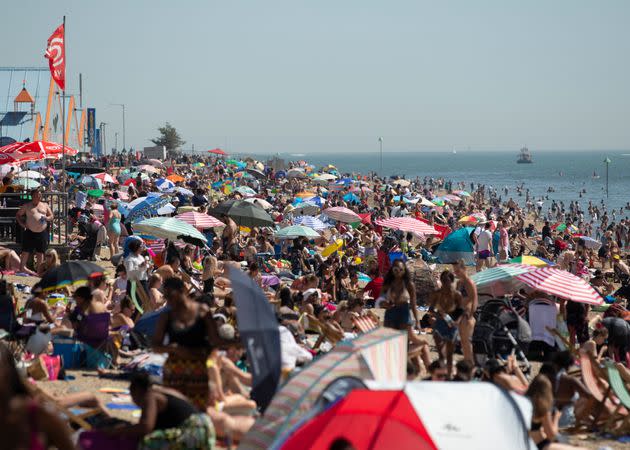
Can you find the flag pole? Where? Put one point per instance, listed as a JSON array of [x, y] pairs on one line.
[[63, 113]]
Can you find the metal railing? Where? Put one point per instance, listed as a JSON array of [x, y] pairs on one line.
[[10, 204]]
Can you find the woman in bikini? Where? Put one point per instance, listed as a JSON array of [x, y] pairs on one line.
[[469, 304], [445, 301]]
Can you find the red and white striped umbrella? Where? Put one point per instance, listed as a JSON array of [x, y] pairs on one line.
[[407, 224], [561, 284], [199, 220], [105, 178], [342, 214], [44, 148]]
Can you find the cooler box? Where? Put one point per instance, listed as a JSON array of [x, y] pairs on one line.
[[72, 352]]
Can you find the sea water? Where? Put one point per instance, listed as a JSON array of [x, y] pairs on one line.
[[566, 172]]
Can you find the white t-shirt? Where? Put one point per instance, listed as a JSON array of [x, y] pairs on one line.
[[484, 241]]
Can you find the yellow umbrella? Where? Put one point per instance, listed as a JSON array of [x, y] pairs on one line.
[[332, 248]]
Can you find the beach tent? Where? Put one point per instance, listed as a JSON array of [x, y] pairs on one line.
[[455, 246]]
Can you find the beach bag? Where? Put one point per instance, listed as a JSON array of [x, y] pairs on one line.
[[45, 367]]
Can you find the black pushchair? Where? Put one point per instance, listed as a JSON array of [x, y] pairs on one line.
[[499, 332]]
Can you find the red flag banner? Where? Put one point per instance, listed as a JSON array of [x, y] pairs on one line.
[[56, 55]]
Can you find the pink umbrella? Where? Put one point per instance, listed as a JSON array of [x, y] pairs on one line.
[[342, 214], [149, 169], [199, 220], [453, 198], [217, 151], [561, 284], [407, 224], [105, 178]]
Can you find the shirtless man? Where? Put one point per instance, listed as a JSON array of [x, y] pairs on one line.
[[229, 232], [466, 323], [34, 218]]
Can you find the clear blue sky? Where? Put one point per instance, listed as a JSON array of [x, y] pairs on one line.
[[321, 75]]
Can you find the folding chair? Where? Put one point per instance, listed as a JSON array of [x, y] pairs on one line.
[[325, 333], [363, 324], [94, 331], [602, 399], [618, 387], [77, 416]]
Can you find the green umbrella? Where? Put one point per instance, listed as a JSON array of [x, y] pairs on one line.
[[95, 193], [295, 231], [168, 228], [28, 183]]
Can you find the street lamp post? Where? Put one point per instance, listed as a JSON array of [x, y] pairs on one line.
[[116, 141], [104, 142], [123, 114], [607, 162], [380, 143]]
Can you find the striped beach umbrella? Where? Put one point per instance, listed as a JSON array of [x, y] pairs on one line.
[[500, 280], [342, 214], [407, 224], [311, 222], [199, 220], [562, 284], [379, 355], [168, 228]]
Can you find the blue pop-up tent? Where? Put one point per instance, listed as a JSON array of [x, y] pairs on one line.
[[457, 245]]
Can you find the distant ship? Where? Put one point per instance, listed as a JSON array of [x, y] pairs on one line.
[[524, 157], [595, 176]]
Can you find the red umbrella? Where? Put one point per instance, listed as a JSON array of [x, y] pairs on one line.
[[562, 284], [217, 151], [45, 148], [367, 420], [130, 181]]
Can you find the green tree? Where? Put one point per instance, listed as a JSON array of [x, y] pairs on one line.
[[169, 138]]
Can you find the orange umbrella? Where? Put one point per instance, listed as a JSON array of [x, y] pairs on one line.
[[175, 178], [305, 194]]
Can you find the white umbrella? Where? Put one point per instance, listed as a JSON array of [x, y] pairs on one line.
[[30, 174], [264, 204], [342, 214]]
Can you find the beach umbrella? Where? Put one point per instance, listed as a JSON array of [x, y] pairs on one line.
[[260, 336], [185, 192], [438, 201], [500, 280], [295, 231], [36, 150], [199, 220], [407, 224], [164, 185], [155, 162], [533, 261], [28, 183], [96, 193], [30, 174], [462, 193], [305, 194], [261, 203], [90, 182], [345, 181], [70, 273], [244, 214], [146, 207], [380, 354], [326, 177], [453, 198], [589, 242], [168, 228], [401, 182], [306, 209], [561, 226], [366, 419], [245, 190], [472, 220], [105, 178], [296, 173], [176, 178], [351, 198], [256, 173], [148, 168], [311, 222], [122, 195], [199, 164], [217, 151], [457, 245], [562, 284], [342, 214], [129, 181]]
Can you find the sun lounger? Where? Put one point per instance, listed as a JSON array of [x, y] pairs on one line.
[[620, 413], [363, 324], [591, 381]]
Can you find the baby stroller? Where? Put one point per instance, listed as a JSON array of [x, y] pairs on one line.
[[86, 248], [499, 332]]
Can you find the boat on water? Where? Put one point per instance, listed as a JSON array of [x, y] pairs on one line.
[[524, 156], [595, 176]]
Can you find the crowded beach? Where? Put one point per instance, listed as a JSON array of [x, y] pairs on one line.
[[210, 301]]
